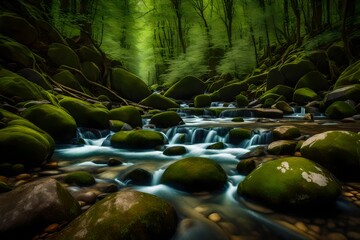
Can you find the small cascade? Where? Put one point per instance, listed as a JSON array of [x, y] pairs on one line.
[[192, 135], [92, 136], [260, 137], [156, 177]]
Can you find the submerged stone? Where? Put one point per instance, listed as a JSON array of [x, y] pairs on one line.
[[124, 215], [175, 150], [138, 139], [80, 178], [195, 174], [166, 119], [291, 182], [338, 151]]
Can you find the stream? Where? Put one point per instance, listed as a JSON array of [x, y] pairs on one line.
[[216, 215]]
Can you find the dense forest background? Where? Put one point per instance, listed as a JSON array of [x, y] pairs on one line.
[[163, 41]]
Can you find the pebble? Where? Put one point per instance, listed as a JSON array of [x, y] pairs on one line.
[[49, 173], [21, 182], [348, 194], [81, 203], [51, 165], [336, 236], [102, 196], [52, 228], [348, 120], [88, 197], [315, 229], [86, 207], [4, 179], [297, 154], [114, 162], [23, 176], [201, 209], [215, 217], [353, 235], [301, 226]]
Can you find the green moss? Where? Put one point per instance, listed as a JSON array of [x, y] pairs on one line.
[[284, 106], [128, 85], [229, 92], [202, 100], [218, 145], [350, 92], [291, 182], [282, 90], [89, 54], [194, 174], [282, 147], [245, 166], [241, 100], [128, 114], [350, 76], [53, 120], [80, 178], [339, 110], [85, 114], [166, 119], [286, 132], [304, 95], [313, 80], [67, 79], [35, 77], [237, 119], [273, 96], [4, 187], [116, 125], [138, 139], [216, 85], [186, 88], [338, 151], [91, 71], [103, 98], [61, 54], [19, 86], [295, 70], [268, 102], [237, 135], [15, 52], [159, 102], [175, 150]]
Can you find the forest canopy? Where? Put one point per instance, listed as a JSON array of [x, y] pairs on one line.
[[165, 40]]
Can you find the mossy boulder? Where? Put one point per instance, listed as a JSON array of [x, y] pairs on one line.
[[216, 146], [80, 178], [282, 147], [314, 80], [338, 151], [194, 174], [281, 90], [89, 54], [31, 207], [229, 92], [10, 24], [85, 114], [166, 119], [117, 125], [283, 106], [202, 100], [216, 85], [124, 215], [241, 100], [61, 54], [137, 176], [128, 85], [350, 92], [137, 139], [304, 95], [295, 70], [339, 110], [159, 102], [286, 132], [246, 166], [237, 135], [22, 144], [4, 187], [175, 150], [127, 114], [274, 78], [321, 60], [91, 71], [67, 79], [186, 88], [291, 182], [14, 52], [53, 120], [275, 97], [351, 75], [336, 53], [35, 77]]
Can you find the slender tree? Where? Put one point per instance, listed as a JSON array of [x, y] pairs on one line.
[[296, 10], [178, 10]]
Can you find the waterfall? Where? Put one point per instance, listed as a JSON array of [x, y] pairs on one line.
[[92, 136]]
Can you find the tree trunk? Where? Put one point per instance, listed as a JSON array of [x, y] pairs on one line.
[[348, 15], [295, 7], [316, 20]]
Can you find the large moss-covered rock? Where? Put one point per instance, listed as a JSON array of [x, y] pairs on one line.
[[339, 110], [194, 174], [229, 92], [291, 182], [80, 178], [320, 59], [350, 92], [304, 95], [186, 88], [216, 85], [127, 114], [295, 70], [89, 54], [35, 77], [175, 150], [10, 25], [124, 215], [286, 132], [20, 87], [282, 147], [273, 96], [25, 145], [313, 80], [137, 139], [91, 71], [338, 151], [67, 79], [14, 52], [166, 119], [283, 106], [336, 53], [274, 78], [350, 76], [53, 120], [128, 85], [241, 101], [202, 100], [61, 54], [237, 135], [158, 101], [85, 114], [282, 90], [31, 207]]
